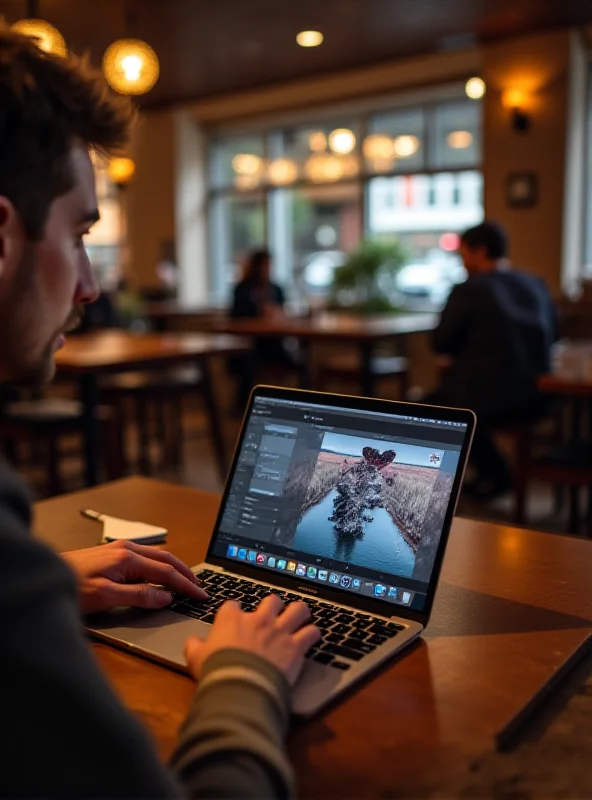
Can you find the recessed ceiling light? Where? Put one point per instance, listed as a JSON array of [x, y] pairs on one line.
[[309, 38]]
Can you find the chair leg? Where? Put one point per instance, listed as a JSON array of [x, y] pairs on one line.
[[143, 435], [54, 478], [521, 460]]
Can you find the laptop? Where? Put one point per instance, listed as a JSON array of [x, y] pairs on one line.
[[343, 502]]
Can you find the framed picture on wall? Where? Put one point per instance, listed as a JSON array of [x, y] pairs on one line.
[[522, 189]]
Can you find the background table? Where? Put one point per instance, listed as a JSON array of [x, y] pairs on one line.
[[365, 333], [87, 357], [513, 606]]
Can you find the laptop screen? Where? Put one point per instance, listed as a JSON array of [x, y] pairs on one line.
[[352, 499]]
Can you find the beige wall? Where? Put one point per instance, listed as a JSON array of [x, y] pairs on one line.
[[151, 195], [537, 65]]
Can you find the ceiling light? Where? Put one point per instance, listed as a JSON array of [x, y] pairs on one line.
[[406, 146], [460, 140], [282, 172], [323, 168], [310, 38], [317, 142], [48, 38], [378, 146], [131, 66], [247, 164], [475, 88], [342, 141], [246, 182]]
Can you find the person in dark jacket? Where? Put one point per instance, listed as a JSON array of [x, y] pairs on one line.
[[256, 297], [69, 735], [495, 337]]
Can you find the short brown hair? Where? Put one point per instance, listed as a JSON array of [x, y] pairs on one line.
[[47, 103]]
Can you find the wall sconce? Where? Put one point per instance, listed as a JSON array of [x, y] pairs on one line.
[[515, 100]]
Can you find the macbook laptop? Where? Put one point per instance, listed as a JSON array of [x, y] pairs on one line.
[[343, 502]]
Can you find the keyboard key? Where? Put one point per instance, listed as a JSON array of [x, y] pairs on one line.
[[208, 618], [362, 624], [382, 630], [361, 647], [377, 639], [358, 633], [344, 652], [324, 624], [323, 658], [341, 628], [394, 626], [340, 665], [346, 618], [333, 638]]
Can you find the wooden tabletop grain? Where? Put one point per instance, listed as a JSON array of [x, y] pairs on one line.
[[513, 605], [115, 351]]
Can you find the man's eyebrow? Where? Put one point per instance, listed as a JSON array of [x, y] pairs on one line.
[[89, 217]]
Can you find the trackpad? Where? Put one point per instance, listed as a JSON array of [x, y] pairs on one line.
[[160, 634]]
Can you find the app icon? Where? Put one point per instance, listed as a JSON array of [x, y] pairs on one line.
[[291, 566], [333, 578], [406, 598], [232, 551], [252, 555], [311, 572], [281, 564], [356, 583], [323, 574], [261, 558], [242, 553], [345, 581], [392, 592], [379, 590], [301, 570], [271, 562]]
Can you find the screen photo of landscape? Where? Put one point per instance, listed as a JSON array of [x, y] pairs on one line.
[[371, 503]]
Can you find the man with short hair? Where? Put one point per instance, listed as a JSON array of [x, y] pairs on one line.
[[495, 337], [66, 734]]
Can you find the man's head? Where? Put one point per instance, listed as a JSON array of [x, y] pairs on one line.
[[482, 247], [53, 112]]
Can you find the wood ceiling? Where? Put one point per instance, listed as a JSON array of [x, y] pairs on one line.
[[209, 47]]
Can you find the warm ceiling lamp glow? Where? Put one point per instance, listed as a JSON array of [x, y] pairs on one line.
[[282, 172], [121, 170], [378, 146], [48, 38], [324, 168], [310, 38], [247, 164], [246, 182], [317, 142], [131, 66], [342, 141], [460, 140], [406, 146], [475, 88], [350, 166]]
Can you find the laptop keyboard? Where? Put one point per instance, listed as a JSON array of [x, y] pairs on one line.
[[347, 635]]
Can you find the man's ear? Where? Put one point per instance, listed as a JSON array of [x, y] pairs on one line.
[[11, 237]]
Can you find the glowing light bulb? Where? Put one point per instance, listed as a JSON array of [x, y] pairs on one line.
[[475, 88]]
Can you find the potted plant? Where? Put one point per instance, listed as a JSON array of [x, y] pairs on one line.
[[365, 284]]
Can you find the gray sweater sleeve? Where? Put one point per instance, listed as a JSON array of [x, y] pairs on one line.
[[67, 734]]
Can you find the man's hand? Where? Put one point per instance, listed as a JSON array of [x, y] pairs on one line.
[[121, 574], [276, 635]]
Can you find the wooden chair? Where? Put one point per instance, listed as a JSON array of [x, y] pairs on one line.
[[156, 403], [43, 423]]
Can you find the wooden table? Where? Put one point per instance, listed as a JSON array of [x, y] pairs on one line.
[[365, 333], [512, 608], [89, 356]]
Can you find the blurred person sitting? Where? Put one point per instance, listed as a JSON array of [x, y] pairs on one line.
[[494, 339], [70, 735], [255, 296]]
